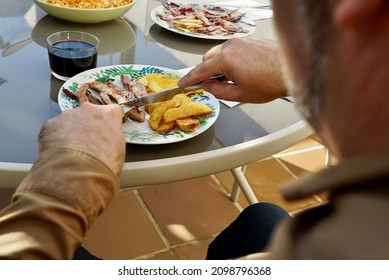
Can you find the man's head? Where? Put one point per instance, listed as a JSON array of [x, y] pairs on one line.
[[332, 50]]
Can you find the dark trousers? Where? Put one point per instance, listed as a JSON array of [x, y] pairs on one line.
[[83, 254], [248, 234]]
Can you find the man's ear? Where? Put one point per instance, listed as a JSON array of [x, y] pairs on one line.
[[348, 13]]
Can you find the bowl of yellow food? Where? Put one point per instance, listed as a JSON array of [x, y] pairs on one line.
[[86, 11]]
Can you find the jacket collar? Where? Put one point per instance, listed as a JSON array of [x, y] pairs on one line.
[[346, 174]]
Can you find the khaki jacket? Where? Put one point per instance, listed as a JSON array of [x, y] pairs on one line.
[[51, 211]]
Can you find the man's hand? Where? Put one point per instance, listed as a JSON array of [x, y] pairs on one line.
[[94, 129], [254, 67]]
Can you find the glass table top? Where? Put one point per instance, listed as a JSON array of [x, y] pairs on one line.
[[28, 91]]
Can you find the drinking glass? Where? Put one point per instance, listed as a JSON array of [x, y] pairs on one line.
[[71, 52]]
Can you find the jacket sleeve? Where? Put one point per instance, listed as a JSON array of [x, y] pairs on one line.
[[55, 205]]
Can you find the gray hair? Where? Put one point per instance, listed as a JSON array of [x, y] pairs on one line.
[[309, 95]]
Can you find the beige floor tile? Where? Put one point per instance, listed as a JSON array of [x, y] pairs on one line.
[[189, 210], [264, 178], [301, 163], [317, 138], [227, 180], [309, 142], [193, 251], [166, 255], [123, 231]]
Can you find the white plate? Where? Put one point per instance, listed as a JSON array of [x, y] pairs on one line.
[[135, 132], [166, 25]]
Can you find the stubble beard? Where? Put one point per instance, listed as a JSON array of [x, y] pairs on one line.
[[309, 91]]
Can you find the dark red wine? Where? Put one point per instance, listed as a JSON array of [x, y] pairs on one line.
[[68, 58]]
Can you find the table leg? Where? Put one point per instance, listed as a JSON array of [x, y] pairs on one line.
[[242, 183], [236, 188], [328, 159]]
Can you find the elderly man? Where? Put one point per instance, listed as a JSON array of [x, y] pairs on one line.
[[335, 54], [337, 69]]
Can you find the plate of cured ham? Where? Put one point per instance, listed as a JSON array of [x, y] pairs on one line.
[[203, 21], [114, 84]]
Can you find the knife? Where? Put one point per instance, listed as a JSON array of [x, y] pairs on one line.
[[167, 94]]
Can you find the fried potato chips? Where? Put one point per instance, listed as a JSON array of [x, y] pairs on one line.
[[187, 124], [186, 110], [158, 82], [179, 112]]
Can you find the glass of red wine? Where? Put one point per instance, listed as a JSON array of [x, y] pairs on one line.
[[71, 52]]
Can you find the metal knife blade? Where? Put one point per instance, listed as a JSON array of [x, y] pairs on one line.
[[167, 94]]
